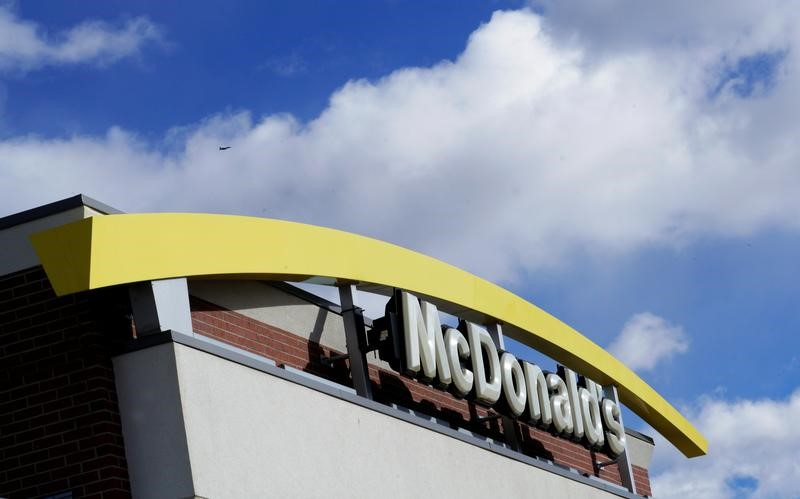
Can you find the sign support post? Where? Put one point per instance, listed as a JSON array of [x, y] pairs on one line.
[[355, 336], [624, 460]]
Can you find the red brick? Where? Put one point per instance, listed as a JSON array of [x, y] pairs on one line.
[[63, 449], [44, 342], [81, 456], [55, 406], [47, 442], [36, 480], [12, 280], [116, 494], [50, 464], [40, 296], [53, 383], [9, 463], [100, 462], [27, 413], [16, 427], [28, 492], [66, 471], [114, 472], [10, 308], [60, 427], [83, 478], [54, 486], [34, 457], [20, 472], [77, 434], [21, 346], [106, 484]]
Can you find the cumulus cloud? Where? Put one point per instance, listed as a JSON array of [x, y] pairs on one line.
[[25, 46], [526, 149], [752, 452], [646, 340], [713, 29]]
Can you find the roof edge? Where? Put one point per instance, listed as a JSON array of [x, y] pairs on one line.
[[54, 208]]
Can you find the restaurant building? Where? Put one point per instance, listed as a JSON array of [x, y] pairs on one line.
[[180, 356]]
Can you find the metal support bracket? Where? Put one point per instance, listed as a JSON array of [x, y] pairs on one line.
[[355, 337], [161, 305], [624, 461], [599, 466], [488, 417], [329, 362]]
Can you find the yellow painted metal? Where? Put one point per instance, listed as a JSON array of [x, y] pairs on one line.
[[119, 249]]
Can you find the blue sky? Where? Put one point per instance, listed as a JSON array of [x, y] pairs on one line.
[[630, 168], [271, 58]]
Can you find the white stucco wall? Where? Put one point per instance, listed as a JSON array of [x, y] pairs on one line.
[[152, 423], [251, 434]]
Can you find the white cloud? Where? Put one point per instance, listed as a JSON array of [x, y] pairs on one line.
[[525, 150], [646, 340], [708, 29], [752, 452], [25, 46]]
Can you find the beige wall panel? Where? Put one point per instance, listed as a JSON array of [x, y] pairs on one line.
[[251, 434], [152, 423]]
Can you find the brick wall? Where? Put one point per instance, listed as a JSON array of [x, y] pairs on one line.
[[59, 421], [286, 348], [642, 479]]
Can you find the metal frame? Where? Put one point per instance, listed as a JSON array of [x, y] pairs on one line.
[[624, 460], [160, 305], [355, 337]]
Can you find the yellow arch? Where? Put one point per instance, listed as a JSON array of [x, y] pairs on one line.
[[119, 249]]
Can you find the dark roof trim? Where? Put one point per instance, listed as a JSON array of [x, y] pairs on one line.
[[56, 207], [640, 436]]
